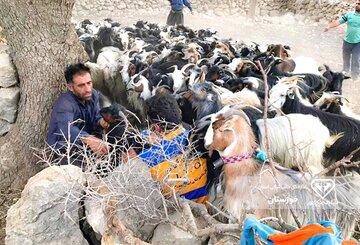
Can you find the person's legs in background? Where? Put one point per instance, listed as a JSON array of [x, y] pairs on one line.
[[347, 47], [355, 62], [170, 19]]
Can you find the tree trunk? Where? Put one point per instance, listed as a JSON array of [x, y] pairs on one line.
[[43, 43]]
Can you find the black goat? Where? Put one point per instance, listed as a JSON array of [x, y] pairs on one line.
[[336, 79], [315, 84], [120, 134], [87, 41], [206, 100]]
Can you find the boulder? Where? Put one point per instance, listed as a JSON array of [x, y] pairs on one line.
[[4, 127], [274, 12], [47, 212], [138, 196], [3, 47], [166, 233], [9, 98], [7, 71]]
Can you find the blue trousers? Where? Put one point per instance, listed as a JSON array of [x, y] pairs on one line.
[[351, 59]]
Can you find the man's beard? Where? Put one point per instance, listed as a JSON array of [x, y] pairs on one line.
[[81, 98]]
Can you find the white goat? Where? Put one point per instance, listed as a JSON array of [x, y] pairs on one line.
[[296, 140], [114, 63], [245, 96], [138, 91]]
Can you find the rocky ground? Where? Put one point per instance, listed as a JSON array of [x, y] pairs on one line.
[[305, 37]]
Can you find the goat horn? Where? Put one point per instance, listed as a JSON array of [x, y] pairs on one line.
[[293, 79], [242, 106], [174, 66], [124, 118], [339, 96], [163, 86], [143, 71], [201, 78], [226, 66], [247, 61], [203, 122], [199, 61], [133, 114], [186, 66], [243, 115]]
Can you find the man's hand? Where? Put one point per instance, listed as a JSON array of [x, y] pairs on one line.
[[126, 156], [333, 24], [96, 145], [104, 124]]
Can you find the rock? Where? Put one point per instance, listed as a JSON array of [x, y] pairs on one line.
[[289, 18], [9, 98], [7, 71], [3, 47], [166, 233], [47, 212], [274, 12], [121, 5], [300, 18], [302, 11], [4, 127], [139, 200]]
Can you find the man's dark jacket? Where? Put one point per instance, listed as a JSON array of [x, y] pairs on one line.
[[70, 113]]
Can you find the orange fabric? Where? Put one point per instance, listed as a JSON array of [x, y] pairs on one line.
[[299, 236], [349, 243]]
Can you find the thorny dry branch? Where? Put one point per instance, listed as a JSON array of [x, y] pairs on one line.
[[113, 184], [106, 182], [265, 116]]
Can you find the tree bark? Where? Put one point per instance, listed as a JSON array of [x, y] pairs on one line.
[[43, 43]]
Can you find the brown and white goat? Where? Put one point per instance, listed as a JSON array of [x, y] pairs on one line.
[[231, 135], [251, 186], [287, 64]]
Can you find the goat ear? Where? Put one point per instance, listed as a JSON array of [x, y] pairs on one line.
[[346, 76]]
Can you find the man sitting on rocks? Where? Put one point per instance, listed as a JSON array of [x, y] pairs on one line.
[[75, 119]]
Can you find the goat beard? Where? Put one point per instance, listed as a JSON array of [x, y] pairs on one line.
[[210, 152]]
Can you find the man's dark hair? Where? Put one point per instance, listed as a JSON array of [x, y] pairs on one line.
[[73, 70], [163, 107]]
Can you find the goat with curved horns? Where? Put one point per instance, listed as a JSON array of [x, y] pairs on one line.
[[231, 135], [285, 96], [250, 185]]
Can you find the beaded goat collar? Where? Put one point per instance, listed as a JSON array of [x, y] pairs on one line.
[[241, 157]]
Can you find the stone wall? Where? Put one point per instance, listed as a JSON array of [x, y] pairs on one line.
[[9, 91], [317, 10]]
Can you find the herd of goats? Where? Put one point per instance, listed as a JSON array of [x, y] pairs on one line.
[[222, 87]]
